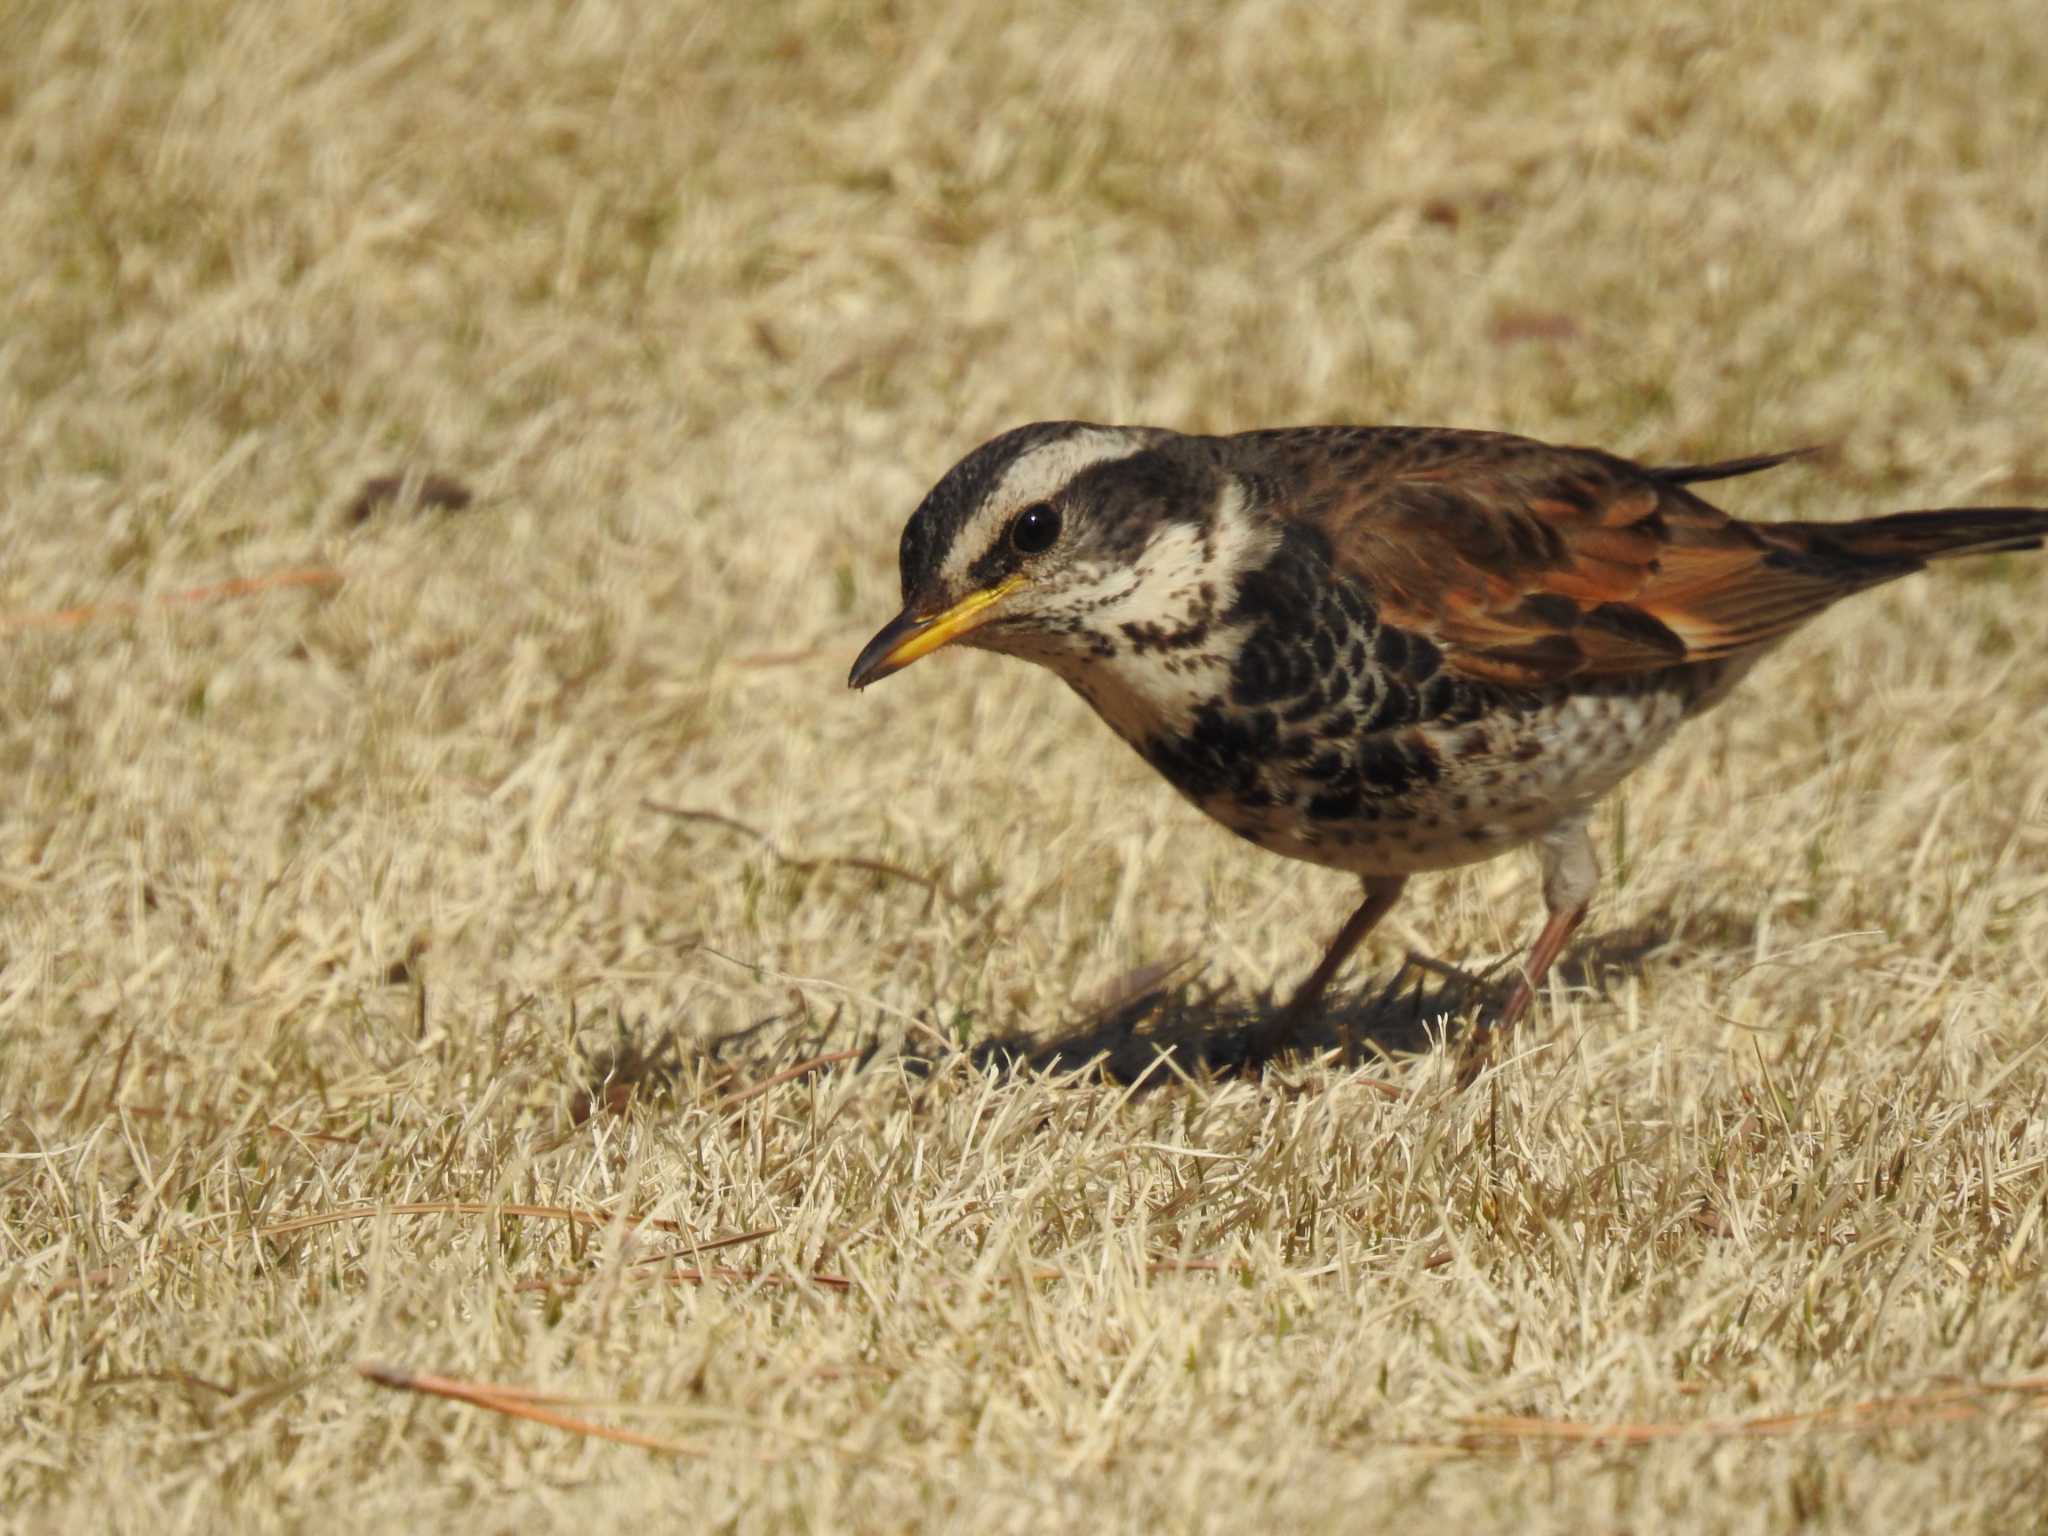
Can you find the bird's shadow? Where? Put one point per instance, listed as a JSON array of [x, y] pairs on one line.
[[1163, 1017], [1190, 1024]]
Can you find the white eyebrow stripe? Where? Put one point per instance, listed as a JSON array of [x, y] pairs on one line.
[[1037, 474]]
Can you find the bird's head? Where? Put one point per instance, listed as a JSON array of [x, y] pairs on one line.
[[1039, 544]]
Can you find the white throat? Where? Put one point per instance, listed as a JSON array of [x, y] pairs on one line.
[[1163, 622]]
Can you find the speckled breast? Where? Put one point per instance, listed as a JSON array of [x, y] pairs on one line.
[[1345, 741]]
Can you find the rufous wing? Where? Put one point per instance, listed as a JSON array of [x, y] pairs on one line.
[[1528, 564]]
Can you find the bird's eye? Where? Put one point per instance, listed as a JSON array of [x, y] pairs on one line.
[[1035, 529]]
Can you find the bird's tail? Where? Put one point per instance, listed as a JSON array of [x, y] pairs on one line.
[[1915, 538]]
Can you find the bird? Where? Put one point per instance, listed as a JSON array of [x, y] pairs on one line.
[[1385, 649]]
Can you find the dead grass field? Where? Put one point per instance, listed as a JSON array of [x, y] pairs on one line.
[[321, 904]]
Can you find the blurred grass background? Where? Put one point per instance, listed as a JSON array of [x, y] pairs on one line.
[[323, 897]]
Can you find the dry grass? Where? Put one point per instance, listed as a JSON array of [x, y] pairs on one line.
[[325, 890]]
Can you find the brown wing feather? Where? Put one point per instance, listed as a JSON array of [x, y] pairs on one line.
[[1527, 563]]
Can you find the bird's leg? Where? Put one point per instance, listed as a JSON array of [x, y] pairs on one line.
[[1381, 892], [1570, 876]]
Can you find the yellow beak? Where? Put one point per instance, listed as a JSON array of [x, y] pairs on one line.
[[908, 636]]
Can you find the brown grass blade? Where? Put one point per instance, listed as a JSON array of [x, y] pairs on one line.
[[1965, 1401], [519, 1403], [786, 1075], [717, 1274], [217, 592]]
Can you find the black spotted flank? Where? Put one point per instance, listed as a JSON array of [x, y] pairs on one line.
[[1397, 707], [1272, 667], [1393, 766], [1338, 805], [1293, 626], [1224, 752]]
